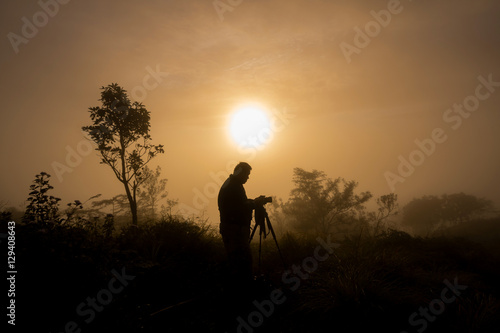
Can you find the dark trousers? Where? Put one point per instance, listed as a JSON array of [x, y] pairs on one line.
[[236, 242]]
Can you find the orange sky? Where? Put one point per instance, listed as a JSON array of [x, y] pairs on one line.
[[351, 115]]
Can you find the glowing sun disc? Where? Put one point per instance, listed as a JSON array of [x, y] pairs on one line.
[[250, 127]]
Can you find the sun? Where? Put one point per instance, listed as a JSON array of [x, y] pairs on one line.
[[250, 126]]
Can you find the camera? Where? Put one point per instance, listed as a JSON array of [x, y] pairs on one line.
[[264, 200]]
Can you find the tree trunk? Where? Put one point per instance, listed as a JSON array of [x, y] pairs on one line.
[[133, 207], [133, 204], [131, 199]]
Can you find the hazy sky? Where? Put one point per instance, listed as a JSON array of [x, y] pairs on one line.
[[354, 85]]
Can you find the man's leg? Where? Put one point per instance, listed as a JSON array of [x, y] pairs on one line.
[[238, 250], [239, 277]]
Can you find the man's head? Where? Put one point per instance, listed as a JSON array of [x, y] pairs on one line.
[[242, 172]]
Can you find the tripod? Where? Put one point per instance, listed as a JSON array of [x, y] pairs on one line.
[[261, 219]]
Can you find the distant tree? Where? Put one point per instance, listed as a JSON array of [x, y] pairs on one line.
[[387, 206], [277, 216], [461, 207], [118, 204], [5, 215], [319, 203], [11, 213], [42, 208], [121, 131], [152, 191], [166, 208], [109, 225], [422, 214], [426, 214]]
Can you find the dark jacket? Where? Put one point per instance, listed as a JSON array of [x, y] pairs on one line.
[[234, 206]]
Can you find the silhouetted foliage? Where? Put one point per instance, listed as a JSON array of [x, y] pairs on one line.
[[318, 203], [5, 216], [121, 131], [76, 215], [71, 211], [42, 207], [118, 204], [428, 213], [387, 206], [109, 225], [277, 216], [461, 207], [152, 191]]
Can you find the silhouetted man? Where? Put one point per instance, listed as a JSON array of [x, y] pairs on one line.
[[235, 218]]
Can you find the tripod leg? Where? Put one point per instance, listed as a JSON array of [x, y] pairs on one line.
[[270, 227], [260, 252], [253, 233]]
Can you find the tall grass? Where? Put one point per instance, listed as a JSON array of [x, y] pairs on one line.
[[379, 282]]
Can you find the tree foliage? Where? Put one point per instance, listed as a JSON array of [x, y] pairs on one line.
[[430, 212], [76, 215], [120, 129], [387, 206], [319, 203], [461, 207], [152, 191], [42, 207], [118, 204]]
